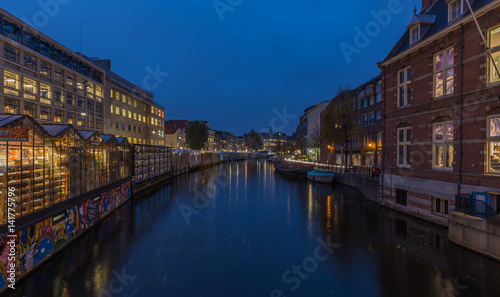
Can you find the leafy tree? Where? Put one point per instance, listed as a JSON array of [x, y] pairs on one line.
[[254, 141], [196, 135], [278, 148], [341, 121]]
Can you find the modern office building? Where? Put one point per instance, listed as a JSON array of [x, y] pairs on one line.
[[47, 81], [130, 111]]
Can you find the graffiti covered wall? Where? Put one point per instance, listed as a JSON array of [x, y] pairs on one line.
[[40, 240]]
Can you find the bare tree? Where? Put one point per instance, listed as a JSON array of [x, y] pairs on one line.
[[341, 121]]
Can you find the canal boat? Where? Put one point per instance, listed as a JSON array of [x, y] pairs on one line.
[[321, 176], [272, 159], [292, 169]]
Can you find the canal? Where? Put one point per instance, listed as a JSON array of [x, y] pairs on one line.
[[241, 230]]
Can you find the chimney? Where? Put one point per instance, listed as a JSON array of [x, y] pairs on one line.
[[426, 4]]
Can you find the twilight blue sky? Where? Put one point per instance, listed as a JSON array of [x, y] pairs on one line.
[[263, 56]]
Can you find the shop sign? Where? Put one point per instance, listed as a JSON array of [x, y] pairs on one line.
[[14, 134]]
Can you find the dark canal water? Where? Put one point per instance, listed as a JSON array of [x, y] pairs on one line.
[[242, 230]]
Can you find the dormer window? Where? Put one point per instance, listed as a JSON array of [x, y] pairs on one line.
[[455, 9], [414, 35]]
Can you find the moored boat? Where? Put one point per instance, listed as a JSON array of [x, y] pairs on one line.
[[292, 169], [321, 176]]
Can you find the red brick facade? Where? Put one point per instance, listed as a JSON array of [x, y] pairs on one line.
[[469, 172]]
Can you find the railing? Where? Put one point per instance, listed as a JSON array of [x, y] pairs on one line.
[[477, 208], [359, 170]]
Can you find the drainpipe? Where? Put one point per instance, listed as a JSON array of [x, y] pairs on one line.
[[460, 99]]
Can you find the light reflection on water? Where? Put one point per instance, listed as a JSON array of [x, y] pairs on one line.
[[256, 228]]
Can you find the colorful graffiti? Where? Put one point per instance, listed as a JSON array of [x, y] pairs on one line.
[[40, 240]]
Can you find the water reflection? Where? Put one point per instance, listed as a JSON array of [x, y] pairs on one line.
[[256, 226]]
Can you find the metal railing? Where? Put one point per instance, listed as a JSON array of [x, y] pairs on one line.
[[477, 208], [348, 169]]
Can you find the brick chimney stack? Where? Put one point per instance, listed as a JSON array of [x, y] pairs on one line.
[[426, 4]]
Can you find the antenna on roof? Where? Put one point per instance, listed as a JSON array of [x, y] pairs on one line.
[[415, 10], [81, 36]]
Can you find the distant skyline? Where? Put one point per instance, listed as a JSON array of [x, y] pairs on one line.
[[236, 64]]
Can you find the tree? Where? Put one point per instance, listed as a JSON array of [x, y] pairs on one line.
[[254, 141], [341, 121], [196, 135], [279, 147], [315, 140]]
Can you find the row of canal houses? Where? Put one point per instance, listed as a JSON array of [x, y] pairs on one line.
[[431, 119]]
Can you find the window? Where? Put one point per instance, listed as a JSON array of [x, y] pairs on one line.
[[139, 117], [365, 120], [123, 126], [11, 106], [455, 9], [44, 91], [98, 107], [359, 104], [29, 62], [443, 73], [89, 87], [98, 124], [70, 80], [11, 80], [112, 109], [45, 113], [443, 146], [98, 91], [415, 35], [401, 197], [135, 116], [70, 99], [129, 127], [365, 102], [379, 115], [404, 89], [30, 109], [404, 147], [440, 206], [129, 101], [494, 145], [494, 43], [58, 116], [117, 125], [129, 114], [58, 74], [80, 102], [124, 98], [70, 118], [117, 110], [124, 112], [44, 68], [10, 53], [29, 86], [117, 95], [79, 83], [372, 100], [58, 95], [90, 105], [371, 119]]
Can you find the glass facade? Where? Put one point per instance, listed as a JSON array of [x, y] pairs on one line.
[[55, 163]]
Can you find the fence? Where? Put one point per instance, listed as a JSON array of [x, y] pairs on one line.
[[359, 170]]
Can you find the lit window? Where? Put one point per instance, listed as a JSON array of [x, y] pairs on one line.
[[455, 9], [112, 110], [29, 86], [404, 87], [117, 110], [58, 95], [11, 106], [124, 98], [58, 116], [124, 112], [70, 80], [44, 68], [30, 109], [443, 146], [135, 116], [98, 91], [70, 118], [129, 114], [404, 147], [443, 73], [494, 43], [79, 83], [45, 113], [58, 74], [11, 80], [139, 117], [494, 145], [44, 91]]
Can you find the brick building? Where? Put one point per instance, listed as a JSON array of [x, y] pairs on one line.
[[366, 147], [441, 109]]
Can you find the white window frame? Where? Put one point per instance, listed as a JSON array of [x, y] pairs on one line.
[[490, 141], [444, 72], [406, 85], [444, 143], [450, 10], [405, 143]]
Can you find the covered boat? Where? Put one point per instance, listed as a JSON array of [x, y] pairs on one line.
[[321, 176]]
